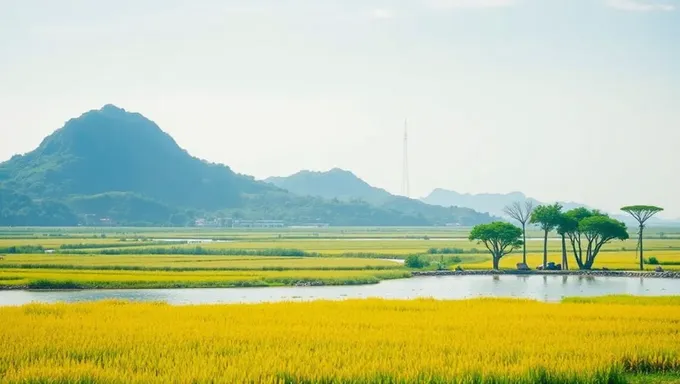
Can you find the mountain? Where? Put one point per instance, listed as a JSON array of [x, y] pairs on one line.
[[334, 184], [21, 210], [493, 203], [110, 165], [111, 150], [346, 186]]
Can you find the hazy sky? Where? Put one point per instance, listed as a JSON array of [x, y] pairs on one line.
[[561, 99]]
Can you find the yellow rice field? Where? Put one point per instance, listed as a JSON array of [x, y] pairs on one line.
[[357, 341], [197, 262], [70, 278], [619, 260]]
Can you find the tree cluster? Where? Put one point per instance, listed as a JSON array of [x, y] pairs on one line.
[[583, 231]]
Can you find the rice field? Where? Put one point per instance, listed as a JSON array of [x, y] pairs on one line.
[[138, 258], [617, 260], [108, 279], [610, 340], [188, 263]]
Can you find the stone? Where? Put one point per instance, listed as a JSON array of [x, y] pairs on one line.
[[658, 269], [540, 268], [523, 267]]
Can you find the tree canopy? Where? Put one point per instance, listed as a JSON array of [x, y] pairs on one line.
[[500, 238], [593, 230], [642, 213], [547, 216]]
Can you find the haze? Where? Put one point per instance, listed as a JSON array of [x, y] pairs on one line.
[[573, 100]]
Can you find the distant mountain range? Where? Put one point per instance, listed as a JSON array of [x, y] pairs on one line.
[[110, 164], [493, 203], [334, 184], [345, 186]]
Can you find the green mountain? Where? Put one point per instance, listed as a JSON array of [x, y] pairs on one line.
[[111, 150], [334, 184], [346, 186], [120, 166], [21, 210]]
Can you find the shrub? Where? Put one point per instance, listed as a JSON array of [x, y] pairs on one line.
[[415, 261], [652, 261]]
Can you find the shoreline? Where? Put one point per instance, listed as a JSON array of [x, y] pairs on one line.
[[318, 283], [593, 273]]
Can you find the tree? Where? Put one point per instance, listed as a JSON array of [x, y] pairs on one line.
[[500, 238], [522, 213], [641, 213], [565, 225], [593, 230], [547, 217]]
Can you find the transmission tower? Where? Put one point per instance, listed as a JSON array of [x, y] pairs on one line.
[[405, 183]]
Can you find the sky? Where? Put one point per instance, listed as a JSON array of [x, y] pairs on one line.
[[571, 100]]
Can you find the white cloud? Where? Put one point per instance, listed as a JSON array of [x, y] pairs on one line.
[[382, 13], [641, 5], [470, 3]]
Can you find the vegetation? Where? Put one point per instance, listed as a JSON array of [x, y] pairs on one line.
[[522, 213], [21, 210], [594, 230], [565, 225], [214, 278], [191, 263], [498, 237], [354, 341], [548, 218], [415, 261], [111, 165], [196, 250], [445, 251], [641, 213]]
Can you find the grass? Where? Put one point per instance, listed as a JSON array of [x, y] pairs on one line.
[[617, 260], [354, 341], [107, 279], [188, 263], [626, 300], [133, 257]]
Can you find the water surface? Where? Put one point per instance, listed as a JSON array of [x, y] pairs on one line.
[[543, 288]]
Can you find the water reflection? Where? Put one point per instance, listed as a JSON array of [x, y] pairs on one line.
[[544, 287]]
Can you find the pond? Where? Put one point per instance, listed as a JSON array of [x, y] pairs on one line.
[[543, 288]]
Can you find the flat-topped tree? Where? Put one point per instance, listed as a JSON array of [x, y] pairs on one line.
[[593, 231], [547, 217], [522, 213], [641, 213], [500, 238]]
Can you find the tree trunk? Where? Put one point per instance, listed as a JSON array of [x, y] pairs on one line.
[[589, 264], [524, 244], [642, 260], [565, 261], [496, 262], [545, 250]]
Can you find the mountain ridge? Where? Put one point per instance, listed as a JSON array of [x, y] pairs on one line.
[[111, 162], [493, 203], [344, 185]]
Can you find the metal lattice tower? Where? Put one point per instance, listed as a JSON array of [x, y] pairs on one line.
[[405, 183]]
